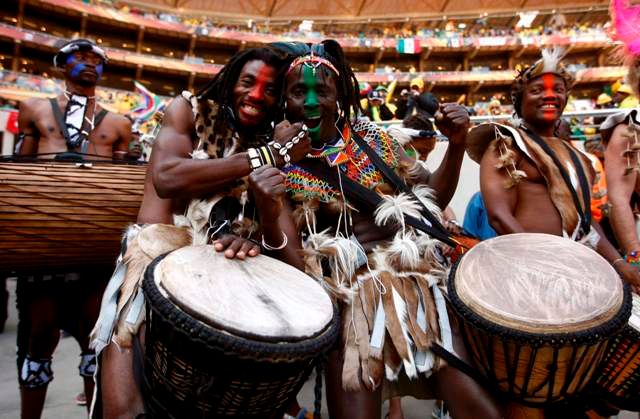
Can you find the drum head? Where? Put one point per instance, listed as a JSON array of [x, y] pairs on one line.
[[260, 297], [538, 283]]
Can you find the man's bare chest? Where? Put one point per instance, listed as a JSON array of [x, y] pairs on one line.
[[51, 134]]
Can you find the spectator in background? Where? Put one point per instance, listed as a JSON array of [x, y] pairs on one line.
[[476, 220], [495, 107], [624, 97]]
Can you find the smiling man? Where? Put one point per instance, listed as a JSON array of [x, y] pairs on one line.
[[531, 179], [214, 152]]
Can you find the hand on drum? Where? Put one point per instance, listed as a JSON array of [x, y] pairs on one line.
[[236, 247], [267, 184], [285, 132], [631, 274]]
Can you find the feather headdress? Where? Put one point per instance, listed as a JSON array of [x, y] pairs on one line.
[[626, 28], [550, 62]]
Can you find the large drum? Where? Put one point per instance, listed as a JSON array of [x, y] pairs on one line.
[[229, 338], [65, 214], [537, 311], [618, 381]]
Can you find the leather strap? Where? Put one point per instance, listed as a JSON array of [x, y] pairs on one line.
[[365, 199], [583, 212]]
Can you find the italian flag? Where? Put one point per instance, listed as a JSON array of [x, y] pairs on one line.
[[408, 46]]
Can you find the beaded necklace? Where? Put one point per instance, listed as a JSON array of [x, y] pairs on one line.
[[349, 158]]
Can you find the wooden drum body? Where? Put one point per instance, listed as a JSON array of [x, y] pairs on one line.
[[65, 214], [537, 311], [618, 380], [230, 338]]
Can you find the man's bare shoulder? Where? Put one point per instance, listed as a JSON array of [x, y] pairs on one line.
[[117, 119], [34, 104], [179, 115]]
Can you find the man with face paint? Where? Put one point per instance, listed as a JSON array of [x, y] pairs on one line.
[[531, 179], [356, 250], [74, 122], [70, 126], [216, 153]]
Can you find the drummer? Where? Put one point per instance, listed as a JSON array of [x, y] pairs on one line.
[[322, 91], [620, 134], [55, 128], [210, 143], [532, 180]]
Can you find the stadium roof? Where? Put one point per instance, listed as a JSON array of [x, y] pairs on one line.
[[361, 9]]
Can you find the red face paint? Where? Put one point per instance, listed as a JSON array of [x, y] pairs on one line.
[[548, 83], [263, 79], [254, 92]]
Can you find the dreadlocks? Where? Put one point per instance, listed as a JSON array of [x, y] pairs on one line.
[[346, 82], [220, 88]]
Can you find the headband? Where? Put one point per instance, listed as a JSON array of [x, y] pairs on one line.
[[312, 61], [78, 45]]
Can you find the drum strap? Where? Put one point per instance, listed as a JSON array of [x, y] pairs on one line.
[[62, 124], [459, 364], [400, 185], [583, 212], [367, 200]]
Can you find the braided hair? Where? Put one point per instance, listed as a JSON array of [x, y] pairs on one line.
[[346, 83]]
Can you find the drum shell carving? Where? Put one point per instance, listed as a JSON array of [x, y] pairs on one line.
[[64, 214], [202, 372]]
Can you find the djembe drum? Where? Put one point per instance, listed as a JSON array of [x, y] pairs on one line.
[[618, 380], [55, 214], [537, 311], [230, 338]]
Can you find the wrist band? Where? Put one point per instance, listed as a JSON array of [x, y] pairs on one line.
[[616, 261], [633, 258], [283, 149], [254, 158], [285, 240]]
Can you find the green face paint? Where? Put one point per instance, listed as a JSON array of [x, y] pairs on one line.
[[311, 104]]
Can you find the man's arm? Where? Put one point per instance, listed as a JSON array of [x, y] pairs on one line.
[[28, 133], [121, 146], [499, 201], [620, 188], [176, 174]]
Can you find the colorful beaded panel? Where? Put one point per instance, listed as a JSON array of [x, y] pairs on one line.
[[303, 185]]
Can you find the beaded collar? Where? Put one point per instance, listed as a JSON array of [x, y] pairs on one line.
[[349, 158]]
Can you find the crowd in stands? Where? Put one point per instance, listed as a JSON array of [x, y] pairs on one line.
[[450, 33]]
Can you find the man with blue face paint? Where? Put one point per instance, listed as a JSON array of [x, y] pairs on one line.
[[71, 126]]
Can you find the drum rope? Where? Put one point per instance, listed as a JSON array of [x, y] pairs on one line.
[[317, 389]]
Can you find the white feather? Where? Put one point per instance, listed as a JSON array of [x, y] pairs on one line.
[[426, 195], [393, 209], [551, 59], [405, 248]]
